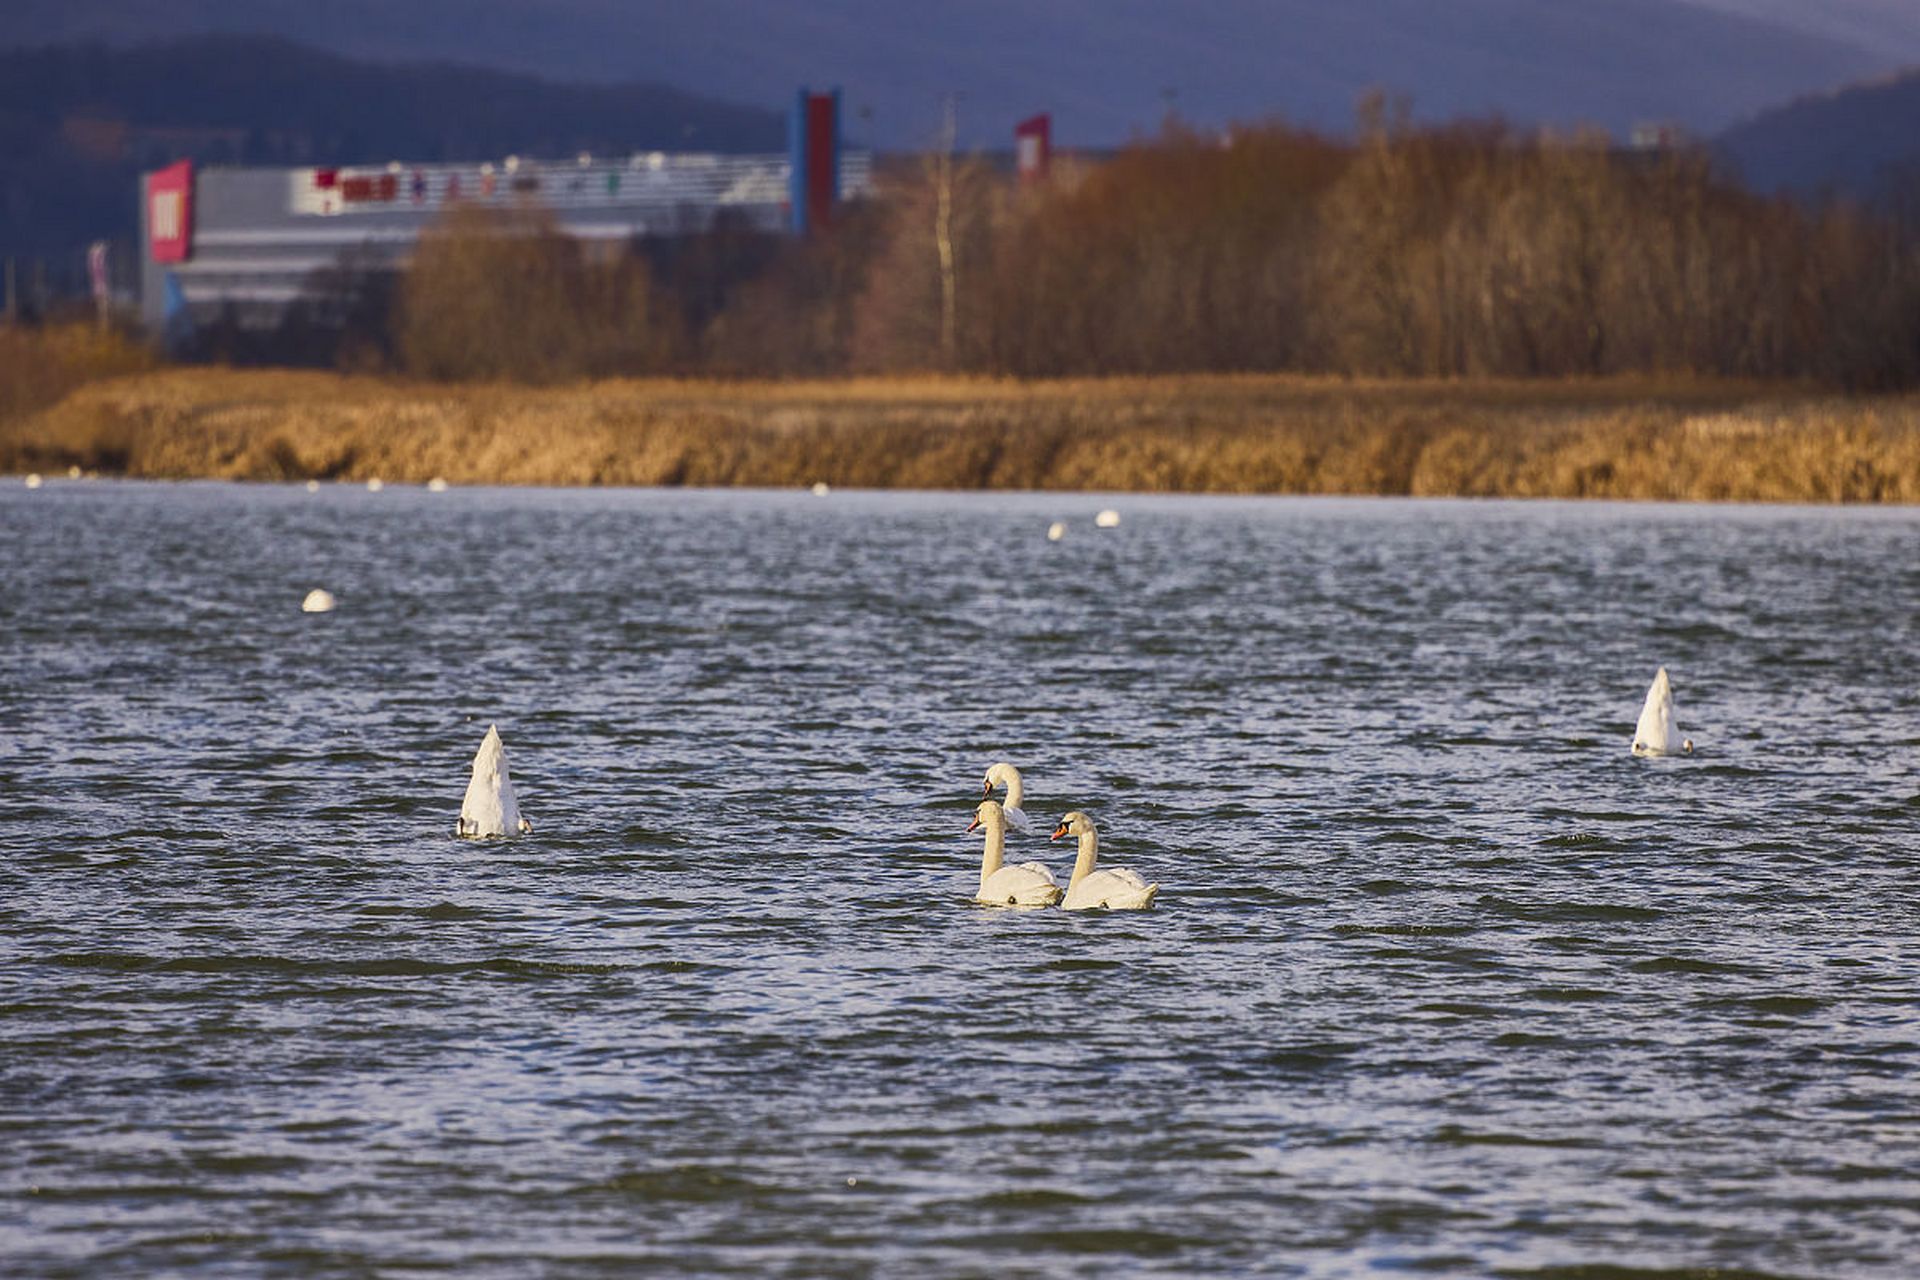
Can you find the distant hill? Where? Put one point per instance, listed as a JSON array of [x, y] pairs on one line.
[[79, 122], [1861, 141], [1107, 69]]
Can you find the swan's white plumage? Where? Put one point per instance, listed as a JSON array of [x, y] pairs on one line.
[[1655, 734], [1030, 884], [318, 600], [1005, 775], [1115, 888], [490, 808]]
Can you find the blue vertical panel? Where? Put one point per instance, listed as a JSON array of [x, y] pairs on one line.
[[797, 163], [834, 158]]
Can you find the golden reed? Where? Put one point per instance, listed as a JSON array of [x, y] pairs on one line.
[[1613, 438]]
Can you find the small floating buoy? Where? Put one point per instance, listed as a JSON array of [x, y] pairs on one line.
[[436, 485], [1056, 531], [375, 485], [821, 489], [1107, 519], [317, 601], [73, 472], [313, 486], [33, 480]]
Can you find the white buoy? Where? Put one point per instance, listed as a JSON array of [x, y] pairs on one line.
[[436, 485], [1056, 531], [33, 480], [313, 486], [73, 472], [317, 601], [821, 489], [375, 485], [1107, 519]]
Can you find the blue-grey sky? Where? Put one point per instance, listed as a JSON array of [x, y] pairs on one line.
[[1109, 69]]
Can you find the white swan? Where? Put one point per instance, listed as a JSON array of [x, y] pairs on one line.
[[1655, 734], [1004, 774], [490, 809], [1116, 888], [1028, 885]]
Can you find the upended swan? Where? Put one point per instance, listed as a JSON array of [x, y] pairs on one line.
[[1116, 888], [490, 809], [1655, 734], [1004, 774], [1028, 885]]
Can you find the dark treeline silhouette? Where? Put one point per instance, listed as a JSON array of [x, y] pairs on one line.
[[1463, 251]]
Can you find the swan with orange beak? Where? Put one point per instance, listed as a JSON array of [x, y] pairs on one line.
[[1030, 884], [1115, 888]]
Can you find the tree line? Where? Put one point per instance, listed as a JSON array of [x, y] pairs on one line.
[[1464, 250]]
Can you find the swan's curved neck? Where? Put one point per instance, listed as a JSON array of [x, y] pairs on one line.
[[996, 853], [1014, 791], [1089, 852]]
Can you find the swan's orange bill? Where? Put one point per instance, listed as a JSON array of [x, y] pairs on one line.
[[973, 824], [1058, 832]]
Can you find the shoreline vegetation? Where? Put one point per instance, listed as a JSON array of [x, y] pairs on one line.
[[1623, 438], [1464, 310]]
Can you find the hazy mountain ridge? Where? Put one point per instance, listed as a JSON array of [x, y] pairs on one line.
[[1107, 69], [1861, 140]]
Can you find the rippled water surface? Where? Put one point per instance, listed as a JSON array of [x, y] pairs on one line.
[[1441, 980]]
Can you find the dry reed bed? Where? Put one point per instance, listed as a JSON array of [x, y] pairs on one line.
[[1265, 434]]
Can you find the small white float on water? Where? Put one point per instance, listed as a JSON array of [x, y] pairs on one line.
[[490, 808], [1107, 519], [33, 480], [317, 601], [73, 472], [436, 485], [1056, 531], [821, 488], [313, 486], [375, 485]]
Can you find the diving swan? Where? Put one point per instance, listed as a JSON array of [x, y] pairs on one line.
[[490, 809], [1004, 774], [1028, 885], [1655, 734], [1116, 888]]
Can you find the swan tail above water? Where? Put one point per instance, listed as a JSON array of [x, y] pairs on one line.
[[490, 808], [1017, 819], [1655, 734]]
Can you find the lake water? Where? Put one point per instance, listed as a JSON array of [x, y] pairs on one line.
[[1441, 980]]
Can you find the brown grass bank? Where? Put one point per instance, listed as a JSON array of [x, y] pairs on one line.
[[1215, 434]]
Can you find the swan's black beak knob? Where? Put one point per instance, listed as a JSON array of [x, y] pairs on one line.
[[986, 788]]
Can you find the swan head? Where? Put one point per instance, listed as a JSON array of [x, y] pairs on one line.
[[1686, 747], [1000, 775], [989, 815], [1074, 824]]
